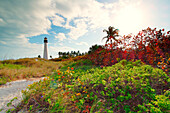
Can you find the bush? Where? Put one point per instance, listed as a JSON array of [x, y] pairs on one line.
[[124, 87]]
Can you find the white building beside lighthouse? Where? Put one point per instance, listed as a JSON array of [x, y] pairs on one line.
[[45, 56]]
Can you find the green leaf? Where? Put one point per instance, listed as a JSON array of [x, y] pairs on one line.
[[82, 101], [104, 82], [102, 93]]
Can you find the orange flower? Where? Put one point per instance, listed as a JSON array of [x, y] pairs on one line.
[[78, 94], [62, 76], [59, 79], [163, 67], [158, 63], [58, 71], [169, 59], [88, 96], [82, 83]]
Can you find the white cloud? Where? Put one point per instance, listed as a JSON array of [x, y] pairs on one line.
[[79, 30], [23, 19], [92, 14], [57, 20], [2, 42], [61, 44], [61, 36], [27, 17], [1, 20], [82, 43]]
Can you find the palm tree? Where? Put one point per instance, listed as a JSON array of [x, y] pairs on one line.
[[111, 34]]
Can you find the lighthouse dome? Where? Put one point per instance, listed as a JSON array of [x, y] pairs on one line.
[[45, 40]]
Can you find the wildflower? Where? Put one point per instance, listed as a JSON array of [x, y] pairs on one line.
[[84, 111], [68, 68], [29, 85], [82, 83], [163, 67], [59, 79], [62, 76], [169, 59], [78, 94], [72, 68], [88, 96], [58, 73], [41, 96], [158, 63]]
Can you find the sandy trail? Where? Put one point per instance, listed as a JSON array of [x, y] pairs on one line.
[[13, 89]]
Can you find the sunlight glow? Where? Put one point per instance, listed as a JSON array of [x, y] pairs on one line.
[[130, 20]]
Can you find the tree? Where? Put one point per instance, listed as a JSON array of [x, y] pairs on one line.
[[39, 56], [51, 57], [111, 34], [94, 48], [59, 53]]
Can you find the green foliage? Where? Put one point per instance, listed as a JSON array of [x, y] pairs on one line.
[[119, 88], [11, 66], [83, 64]]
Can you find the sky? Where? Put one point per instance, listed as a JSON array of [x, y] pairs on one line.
[[72, 25]]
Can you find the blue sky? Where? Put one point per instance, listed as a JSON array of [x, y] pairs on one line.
[[72, 25]]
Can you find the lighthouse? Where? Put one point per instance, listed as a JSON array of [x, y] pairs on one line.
[[45, 48]]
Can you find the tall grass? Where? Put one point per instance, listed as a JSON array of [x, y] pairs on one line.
[[26, 68]]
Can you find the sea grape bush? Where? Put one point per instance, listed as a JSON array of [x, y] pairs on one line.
[[150, 46], [122, 87]]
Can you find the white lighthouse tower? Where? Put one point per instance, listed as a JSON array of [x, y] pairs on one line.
[[45, 48]]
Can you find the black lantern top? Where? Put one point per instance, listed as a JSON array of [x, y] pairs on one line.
[[45, 40]]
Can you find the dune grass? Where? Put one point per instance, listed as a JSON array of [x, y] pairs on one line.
[[11, 70]]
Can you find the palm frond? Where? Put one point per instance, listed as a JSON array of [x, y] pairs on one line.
[[104, 30], [104, 37]]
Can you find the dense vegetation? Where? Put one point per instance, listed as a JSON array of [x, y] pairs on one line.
[[127, 75], [123, 87]]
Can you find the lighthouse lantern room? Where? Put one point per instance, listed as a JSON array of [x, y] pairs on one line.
[[45, 48]]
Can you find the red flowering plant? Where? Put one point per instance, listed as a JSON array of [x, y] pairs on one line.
[[149, 45]]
